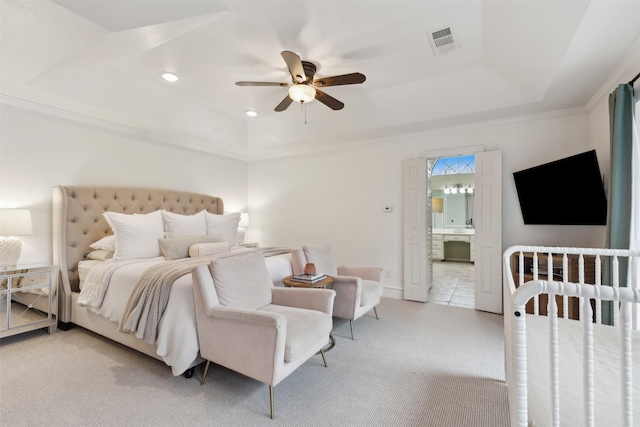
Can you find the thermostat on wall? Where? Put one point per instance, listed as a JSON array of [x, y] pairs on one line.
[[387, 208]]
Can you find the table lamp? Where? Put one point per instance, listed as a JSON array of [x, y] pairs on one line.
[[242, 226], [13, 222]]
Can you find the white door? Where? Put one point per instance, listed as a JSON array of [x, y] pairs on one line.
[[416, 265], [487, 216]]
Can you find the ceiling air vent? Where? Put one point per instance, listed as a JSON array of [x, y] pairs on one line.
[[442, 41]]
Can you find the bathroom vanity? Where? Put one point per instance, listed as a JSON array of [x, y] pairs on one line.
[[452, 244]]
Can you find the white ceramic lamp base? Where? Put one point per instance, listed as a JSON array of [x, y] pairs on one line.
[[10, 248], [241, 235]]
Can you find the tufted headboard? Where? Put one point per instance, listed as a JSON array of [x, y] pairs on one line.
[[78, 222]]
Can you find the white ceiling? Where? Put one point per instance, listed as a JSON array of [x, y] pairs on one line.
[[103, 59]]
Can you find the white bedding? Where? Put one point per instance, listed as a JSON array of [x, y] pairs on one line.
[[607, 372], [177, 342]]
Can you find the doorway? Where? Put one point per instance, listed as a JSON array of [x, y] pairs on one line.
[[451, 187], [487, 221]]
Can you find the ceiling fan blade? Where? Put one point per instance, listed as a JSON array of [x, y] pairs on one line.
[[284, 104], [295, 66], [261, 84], [345, 79], [329, 101]]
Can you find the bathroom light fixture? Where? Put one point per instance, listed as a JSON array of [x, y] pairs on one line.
[[251, 113], [169, 76], [13, 222], [302, 93], [447, 190]]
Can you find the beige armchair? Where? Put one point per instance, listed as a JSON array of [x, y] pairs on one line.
[[252, 327], [358, 289]]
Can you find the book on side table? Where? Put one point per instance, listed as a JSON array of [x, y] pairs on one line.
[[308, 278]]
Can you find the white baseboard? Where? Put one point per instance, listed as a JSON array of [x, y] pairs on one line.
[[393, 293]]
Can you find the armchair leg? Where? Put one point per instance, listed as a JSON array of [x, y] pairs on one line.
[[351, 324], [204, 375], [375, 312], [271, 399], [323, 358]]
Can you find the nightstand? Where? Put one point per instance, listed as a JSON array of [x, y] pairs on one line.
[[25, 299], [249, 245]]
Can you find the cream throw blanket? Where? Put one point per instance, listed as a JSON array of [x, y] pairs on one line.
[[96, 283], [150, 296]]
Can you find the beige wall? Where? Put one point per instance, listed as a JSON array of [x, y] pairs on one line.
[[338, 196], [39, 151]]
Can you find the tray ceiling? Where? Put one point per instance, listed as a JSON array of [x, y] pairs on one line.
[[103, 59]]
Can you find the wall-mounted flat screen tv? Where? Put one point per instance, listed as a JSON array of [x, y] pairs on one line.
[[568, 191]]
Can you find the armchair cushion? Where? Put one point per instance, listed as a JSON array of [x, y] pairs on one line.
[[304, 329], [322, 256], [242, 281], [371, 292]]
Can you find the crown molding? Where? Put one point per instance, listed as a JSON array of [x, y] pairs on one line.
[[629, 68], [116, 127], [321, 146]]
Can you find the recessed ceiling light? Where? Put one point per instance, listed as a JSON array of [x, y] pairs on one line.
[[170, 77], [251, 113]]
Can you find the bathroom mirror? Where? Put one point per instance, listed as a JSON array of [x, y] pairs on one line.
[[456, 211]]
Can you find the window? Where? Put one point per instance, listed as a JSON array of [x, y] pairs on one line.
[[454, 165]]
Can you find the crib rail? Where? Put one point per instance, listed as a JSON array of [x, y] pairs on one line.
[[625, 302]]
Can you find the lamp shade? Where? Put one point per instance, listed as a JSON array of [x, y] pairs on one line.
[[244, 219], [15, 222], [302, 93]]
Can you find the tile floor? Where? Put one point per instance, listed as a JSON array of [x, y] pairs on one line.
[[453, 284]]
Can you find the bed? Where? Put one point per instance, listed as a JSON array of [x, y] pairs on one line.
[[564, 368], [78, 223]]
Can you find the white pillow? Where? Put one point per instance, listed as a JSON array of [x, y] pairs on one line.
[[185, 225], [100, 255], [178, 247], [136, 236], [208, 249], [242, 281], [107, 243], [225, 225], [321, 256]]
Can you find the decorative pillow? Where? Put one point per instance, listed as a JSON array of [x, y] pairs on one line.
[[226, 225], [136, 235], [100, 255], [107, 243], [242, 281], [185, 225], [322, 256], [178, 247], [208, 249]]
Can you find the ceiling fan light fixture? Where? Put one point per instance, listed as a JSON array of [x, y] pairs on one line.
[[302, 93]]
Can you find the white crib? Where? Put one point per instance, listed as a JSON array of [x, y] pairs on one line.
[[566, 372]]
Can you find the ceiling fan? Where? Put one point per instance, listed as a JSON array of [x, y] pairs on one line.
[[304, 88]]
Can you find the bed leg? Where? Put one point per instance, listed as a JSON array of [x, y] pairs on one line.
[[65, 326], [189, 372]]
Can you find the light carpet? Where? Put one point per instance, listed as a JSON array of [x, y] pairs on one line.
[[418, 365]]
